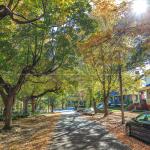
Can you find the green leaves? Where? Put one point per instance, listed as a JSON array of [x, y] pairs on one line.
[[47, 44]]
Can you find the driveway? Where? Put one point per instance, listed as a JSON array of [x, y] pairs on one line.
[[75, 133]]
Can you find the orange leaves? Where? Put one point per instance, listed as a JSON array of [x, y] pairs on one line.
[[105, 8], [108, 12], [91, 48], [95, 40], [40, 136]]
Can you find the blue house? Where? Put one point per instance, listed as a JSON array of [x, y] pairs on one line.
[[115, 99]]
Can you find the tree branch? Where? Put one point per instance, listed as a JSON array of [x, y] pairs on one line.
[[7, 11], [16, 5], [25, 21], [26, 70], [45, 92], [4, 84], [10, 3]]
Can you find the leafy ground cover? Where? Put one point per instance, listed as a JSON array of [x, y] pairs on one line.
[[32, 133], [113, 124]]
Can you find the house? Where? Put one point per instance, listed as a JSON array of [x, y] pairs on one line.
[[145, 90], [128, 98], [143, 102]]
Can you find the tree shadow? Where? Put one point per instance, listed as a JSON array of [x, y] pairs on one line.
[[75, 133]]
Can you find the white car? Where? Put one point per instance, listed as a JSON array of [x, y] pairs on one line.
[[88, 111]]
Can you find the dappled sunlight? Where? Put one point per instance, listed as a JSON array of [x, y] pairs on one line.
[[73, 132], [65, 111], [113, 124], [73, 58]]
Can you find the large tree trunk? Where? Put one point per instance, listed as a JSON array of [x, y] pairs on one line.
[[91, 97], [106, 106], [94, 106], [90, 104], [105, 98], [33, 105], [121, 93], [48, 105], [25, 106], [7, 113], [62, 105], [52, 108]]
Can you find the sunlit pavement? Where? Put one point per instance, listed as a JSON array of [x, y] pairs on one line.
[[65, 111], [74, 133]]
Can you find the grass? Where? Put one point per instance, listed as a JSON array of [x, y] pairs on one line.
[[114, 110]]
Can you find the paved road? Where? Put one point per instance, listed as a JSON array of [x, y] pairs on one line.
[[75, 133]]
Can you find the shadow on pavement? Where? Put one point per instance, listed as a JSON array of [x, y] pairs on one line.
[[74, 133]]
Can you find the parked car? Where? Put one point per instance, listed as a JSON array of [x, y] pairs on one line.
[[139, 127], [88, 111], [101, 105]]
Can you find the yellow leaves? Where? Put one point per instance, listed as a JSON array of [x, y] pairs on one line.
[[95, 40], [104, 8], [63, 4], [67, 2], [107, 13], [129, 82], [147, 72]]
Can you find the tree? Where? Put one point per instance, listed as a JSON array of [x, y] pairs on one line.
[[102, 60], [9, 8], [9, 91], [52, 103], [39, 52], [33, 97]]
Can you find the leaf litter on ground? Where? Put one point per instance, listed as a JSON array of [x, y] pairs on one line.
[[32, 133], [113, 123]]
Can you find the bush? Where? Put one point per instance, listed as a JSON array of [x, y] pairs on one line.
[[15, 116]]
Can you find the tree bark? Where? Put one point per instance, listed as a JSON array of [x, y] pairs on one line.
[[105, 100], [7, 113], [104, 88], [25, 106], [91, 97], [48, 105], [33, 105], [106, 106], [94, 106], [62, 105], [121, 93], [52, 108]]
